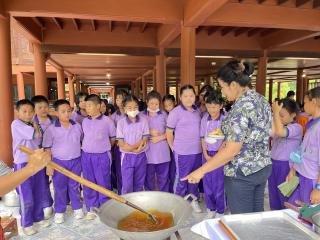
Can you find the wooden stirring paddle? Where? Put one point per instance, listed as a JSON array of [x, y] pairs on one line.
[[91, 185]]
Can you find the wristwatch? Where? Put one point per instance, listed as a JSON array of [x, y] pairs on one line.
[[317, 186]]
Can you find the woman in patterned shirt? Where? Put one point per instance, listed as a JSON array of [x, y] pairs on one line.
[[245, 152]]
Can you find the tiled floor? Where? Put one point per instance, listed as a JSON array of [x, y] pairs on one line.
[[85, 230]]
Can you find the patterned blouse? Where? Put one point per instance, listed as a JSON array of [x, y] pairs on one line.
[[249, 122]]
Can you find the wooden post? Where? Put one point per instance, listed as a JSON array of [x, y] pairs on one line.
[[270, 90], [144, 87], [279, 90], [262, 75], [161, 73], [20, 86], [40, 78], [71, 90], [299, 93], [60, 84]]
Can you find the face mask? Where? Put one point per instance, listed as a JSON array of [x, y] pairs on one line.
[[153, 111], [132, 114]]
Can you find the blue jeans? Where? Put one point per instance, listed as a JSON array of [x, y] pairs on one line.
[[245, 194]]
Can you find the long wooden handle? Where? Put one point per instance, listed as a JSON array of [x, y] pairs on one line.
[[290, 206], [79, 179]]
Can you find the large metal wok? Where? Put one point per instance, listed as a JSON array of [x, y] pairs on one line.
[[112, 212]]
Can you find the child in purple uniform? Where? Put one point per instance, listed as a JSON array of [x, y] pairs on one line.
[[33, 190], [116, 116], [287, 136], [44, 120], [211, 140], [132, 136], [308, 171], [63, 138], [158, 153], [184, 122], [81, 113], [99, 136], [169, 103]]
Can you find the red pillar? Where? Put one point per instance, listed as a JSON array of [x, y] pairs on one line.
[[144, 87], [188, 52], [20, 86], [40, 78], [161, 73], [299, 93], [77, 86], [262, 75], [270, 90], [71, 91], [60, 84], [279, 89], [154, 79], [6, 109]]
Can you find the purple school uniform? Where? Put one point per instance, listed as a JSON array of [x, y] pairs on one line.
[[96, 157], [77, 117], [158, 154], [186, 146], [65, 145], [308, 170], [213, 182], [116, 116], [133, 165], [31, 192], [280, 154]]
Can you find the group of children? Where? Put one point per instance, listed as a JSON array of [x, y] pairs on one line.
[[149, 150]]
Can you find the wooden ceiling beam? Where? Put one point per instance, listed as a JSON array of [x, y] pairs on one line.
[[58, 23], [144, 27], [241, 31], [39, 22], [280, 2], [93, 25], [253, 32], [212, 30], [167, 34], [76, 23], [316, 3], [110, 26], [128, 26], [299, 3], [226, 30]]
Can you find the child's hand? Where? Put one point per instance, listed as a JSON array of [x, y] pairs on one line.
[[291, 174], [49, 171], [154, 132], [155, 139], [315, 196], [276, 107]]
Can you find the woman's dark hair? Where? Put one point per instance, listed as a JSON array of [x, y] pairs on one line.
[[122, 92], [214, 97], [313, 93], [153, 94], [236, 71], [110, 108], [22, 102], [186, 87], [169, 97], [39, 99], [290, 105], [105, 101], [78, 96], [130, 98], [205, 89], [93, 98], [291, 94], [60, 102]]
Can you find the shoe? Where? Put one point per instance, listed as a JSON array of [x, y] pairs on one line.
[[29, 231], [211, 214], [48, 212], [78, 214], [196, 207], [44, 224], [59, 218], [90, 216], [219, 215]]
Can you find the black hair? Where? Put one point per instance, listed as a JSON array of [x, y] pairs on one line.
[[313, 93], [78, 96], [169, 97], [60, 102], [186, 87], [93, 98], [236, 71], [291, 94], [290, 105], [205, 89], [122, 92], [153, 95], [23, 102], [110, 108], [214, 97], [130, 98], [39, 99]]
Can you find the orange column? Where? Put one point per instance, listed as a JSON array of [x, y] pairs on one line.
[[60, 84], [77, 86], [161, 73], [71, 91], [299, 93], [20, 86], [188, 51], [144, 87], [262, 75], [6, 109], [40, 78]]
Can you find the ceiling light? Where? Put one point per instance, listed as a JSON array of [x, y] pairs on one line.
[[202, 83], [108, 75], [213, 63], [107, 83], [304, 75]]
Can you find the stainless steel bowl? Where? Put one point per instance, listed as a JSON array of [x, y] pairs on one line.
[[112, 212]]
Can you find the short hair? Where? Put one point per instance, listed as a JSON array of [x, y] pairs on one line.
[[291, 94], [39, 99], [130, 98], [214, 97], [314, 93], [93, 98], [169, 97], [205, 89], [122, 92], [23, 102], [80, 95], [60, 102], [290, 105], [153, 95], [186, 87]]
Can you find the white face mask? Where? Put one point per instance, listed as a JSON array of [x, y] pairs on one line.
[[153, 111], [132, 114]]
